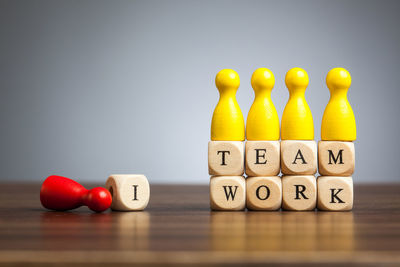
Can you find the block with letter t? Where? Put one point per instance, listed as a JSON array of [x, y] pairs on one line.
[[226, 158]]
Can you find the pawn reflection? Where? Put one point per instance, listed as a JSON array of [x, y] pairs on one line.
[[336, 230], [282, 231], [228, 231], [132, 230], [264, 231], [299, 231], [67, 230], [111, 230]]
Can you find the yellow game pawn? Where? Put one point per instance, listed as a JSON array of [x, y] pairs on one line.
[[297, 120], [262, 120], [262, 129], [227, 121], [338, 122]]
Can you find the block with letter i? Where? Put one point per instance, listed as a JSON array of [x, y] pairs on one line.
[[226, 148], [336, 154], [130, 192], [263, 186], [298, 148]]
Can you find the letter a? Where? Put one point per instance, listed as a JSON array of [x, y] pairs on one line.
[[299, 156]]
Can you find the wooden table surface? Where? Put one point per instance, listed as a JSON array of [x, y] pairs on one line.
[[179, 228]]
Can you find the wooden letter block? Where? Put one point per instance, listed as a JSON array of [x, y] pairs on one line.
[[227, 193], [299, 157], [336, 158], [226, 158], [263, 158], [264, 193], [129, 191], [335, 193], [299, 192]]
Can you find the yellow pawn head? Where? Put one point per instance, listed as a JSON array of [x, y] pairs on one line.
[[296, 80], [227, 121], [227, 79], [262, 80], [297, 120], [338, 78], [338, 122], [262, 120]]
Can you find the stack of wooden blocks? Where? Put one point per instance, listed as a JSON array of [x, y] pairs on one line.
[[263, 156]]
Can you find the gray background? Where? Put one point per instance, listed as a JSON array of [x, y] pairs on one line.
[[90, 88]]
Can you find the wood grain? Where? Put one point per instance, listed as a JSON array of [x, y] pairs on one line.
[[179, 228]]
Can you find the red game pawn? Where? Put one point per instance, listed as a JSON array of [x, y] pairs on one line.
[[61, 193]]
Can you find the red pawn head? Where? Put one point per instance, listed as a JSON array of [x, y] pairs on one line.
[[61, 193], [98, 199]]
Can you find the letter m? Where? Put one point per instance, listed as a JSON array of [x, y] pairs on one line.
[[339, 157]]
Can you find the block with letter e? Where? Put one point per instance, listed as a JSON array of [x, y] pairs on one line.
[[262, 158], [226, 158], [227, 192]]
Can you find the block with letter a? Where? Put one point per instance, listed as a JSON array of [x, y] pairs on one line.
[[299, 157]]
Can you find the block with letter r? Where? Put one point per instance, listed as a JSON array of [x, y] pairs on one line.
[[299, 192]]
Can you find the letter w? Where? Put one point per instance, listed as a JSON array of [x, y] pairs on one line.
[[230, 193]]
